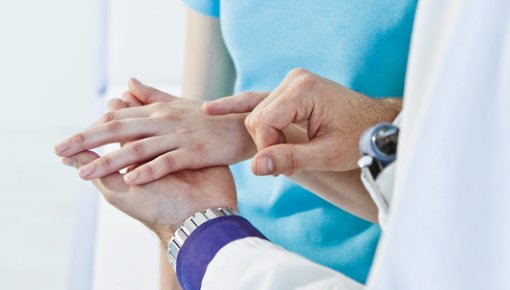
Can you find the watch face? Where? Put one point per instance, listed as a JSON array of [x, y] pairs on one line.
[[386, 139]]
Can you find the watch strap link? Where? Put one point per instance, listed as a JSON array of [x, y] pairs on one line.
[[190, 225]]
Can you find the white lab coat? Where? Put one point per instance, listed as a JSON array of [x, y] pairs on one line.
[[450, 217]]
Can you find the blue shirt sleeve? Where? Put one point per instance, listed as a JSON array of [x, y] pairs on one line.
[[206, 7], [202, 245]]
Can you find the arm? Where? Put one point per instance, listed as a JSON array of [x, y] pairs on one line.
[[257, 264], [208, 73], [239, 257], [208, 70], [309, 129], [344, 189]]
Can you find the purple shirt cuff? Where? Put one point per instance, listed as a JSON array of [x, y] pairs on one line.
[[203, 244]]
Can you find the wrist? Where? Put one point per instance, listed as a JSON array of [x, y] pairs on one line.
[[389, 109], [202, 245], [191, 224], [165, 231]]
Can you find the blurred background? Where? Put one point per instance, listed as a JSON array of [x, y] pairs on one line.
[[59, 61]]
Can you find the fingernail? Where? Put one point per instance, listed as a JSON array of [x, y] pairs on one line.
[[131, 176], [69, 162], [62, 146], [87, 170], [265, 166]]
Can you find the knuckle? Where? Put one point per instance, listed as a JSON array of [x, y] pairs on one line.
[[168, 162], [108, 117], [114, 126], [111, 104], [125, 95], [306, 81], [148, 171], [253, 121], [172, 117], [297, 72], [292, 161], [184, 131], [77, 139], [137, 149], [249, 123], [156, 108], [106, 161], [151, 98], [157, 105], [197, 147]]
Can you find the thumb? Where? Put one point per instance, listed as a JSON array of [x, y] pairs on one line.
[[147, 94], [242, 103], [110, 185], [287, 159]]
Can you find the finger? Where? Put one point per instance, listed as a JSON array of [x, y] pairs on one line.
[[146, 94], [116, 104], [133, 153], [252, 121], [121, 114], [111, 105], [274, 95], [289, 158], [242, 103], [266, 124], [111, 132], [131, 100], [110, 185], [163, 165]]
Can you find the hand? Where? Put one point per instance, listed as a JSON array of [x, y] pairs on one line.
[[334, 117], [167, 135], [163, 205]]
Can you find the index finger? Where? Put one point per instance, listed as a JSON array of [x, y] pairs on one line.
[[110, 185], [112, 132], [267, 123]]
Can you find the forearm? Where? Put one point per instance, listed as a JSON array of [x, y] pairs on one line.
[[208, 71], [343, 189]]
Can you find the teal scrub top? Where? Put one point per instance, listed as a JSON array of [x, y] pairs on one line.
[[361, 44]]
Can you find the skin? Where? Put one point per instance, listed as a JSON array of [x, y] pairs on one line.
[[308, 128], [163, 134], [208, 74], [166, 135], [163, 205], [332, 116]]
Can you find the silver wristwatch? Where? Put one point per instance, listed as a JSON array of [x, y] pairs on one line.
[[191, 224]]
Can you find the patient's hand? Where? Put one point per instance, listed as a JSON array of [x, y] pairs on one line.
[[163, 205], [166, 135]]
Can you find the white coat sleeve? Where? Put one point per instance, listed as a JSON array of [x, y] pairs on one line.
[[254, 263], [229, 253], [449, 225]]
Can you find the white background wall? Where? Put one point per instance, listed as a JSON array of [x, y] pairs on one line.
[[49, 76]]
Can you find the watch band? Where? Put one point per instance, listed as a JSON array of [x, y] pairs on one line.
[[190, 225]]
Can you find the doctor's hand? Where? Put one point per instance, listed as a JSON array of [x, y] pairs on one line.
[[332, 116], [162, 134], [163, 205]]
